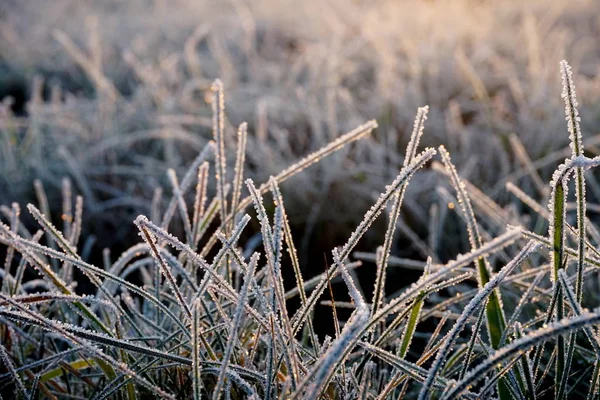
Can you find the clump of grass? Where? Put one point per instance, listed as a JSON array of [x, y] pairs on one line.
[[207, 317]]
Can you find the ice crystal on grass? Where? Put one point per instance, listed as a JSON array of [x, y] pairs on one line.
[[571, 112], [218, 104]]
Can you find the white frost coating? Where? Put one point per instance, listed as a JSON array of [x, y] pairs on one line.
[[522, 302], [200, 198], [561, 176], [335, 353], [564, 170], [46, 297], [413, 144], [218, 107], [585, 162], [415, 371], [571, 113], [268, 240], [300, 286], [27, 245], [239, 166], [337, 144], [177, 244]]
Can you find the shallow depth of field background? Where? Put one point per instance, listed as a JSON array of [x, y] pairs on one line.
[[112, 93]]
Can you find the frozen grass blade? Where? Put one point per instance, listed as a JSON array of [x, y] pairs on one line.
[[229, 246], [204, 223], [54, 233], [320, 373], [270, 372], [294, 258], [42, 200], [526, 367], [228, 335], [199, 261], [237, 319], [14, 227], [407, 368], [218, 106], [567, 250], [572, 117], [397, 303], [495, 318], [239, 167], [266, 230], [196, 349], [411, 151], [200, 199], [82, 333], [558, 207], [10, 365], [141, 223], [595, 382], [277, 278], [523, 301]]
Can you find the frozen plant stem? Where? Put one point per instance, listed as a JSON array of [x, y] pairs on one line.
[[411, 151]]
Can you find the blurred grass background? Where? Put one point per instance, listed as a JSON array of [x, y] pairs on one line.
[[112, 93]]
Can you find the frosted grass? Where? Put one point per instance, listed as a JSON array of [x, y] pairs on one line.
[[207, 319]]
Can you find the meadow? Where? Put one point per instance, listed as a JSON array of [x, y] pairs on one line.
[[338, 200]]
